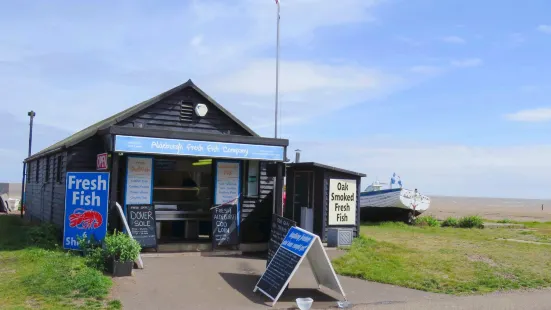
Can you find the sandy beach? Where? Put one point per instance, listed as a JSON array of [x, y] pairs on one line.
[[491, 208]]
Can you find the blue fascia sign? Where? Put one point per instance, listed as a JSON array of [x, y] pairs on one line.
[[162, 146], [86, 205], [297, 241]]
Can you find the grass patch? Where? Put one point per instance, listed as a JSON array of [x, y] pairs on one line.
[[427, 221], [37, 273], [447, 260]]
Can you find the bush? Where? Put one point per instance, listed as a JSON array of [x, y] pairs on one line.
[[471, 222], [45, 236], [121, 247], [505, 221], [450, 222], [427, 221], [94, 253]]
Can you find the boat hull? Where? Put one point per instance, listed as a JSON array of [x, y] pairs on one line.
[[392, 203]]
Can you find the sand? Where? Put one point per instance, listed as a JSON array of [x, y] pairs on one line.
[[490, 208]]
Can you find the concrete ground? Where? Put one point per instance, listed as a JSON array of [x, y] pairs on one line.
[[179, 281]]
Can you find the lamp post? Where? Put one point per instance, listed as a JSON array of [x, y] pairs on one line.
[[31, 115]]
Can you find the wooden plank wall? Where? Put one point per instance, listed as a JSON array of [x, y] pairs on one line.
[[169, 114], [45, 198]]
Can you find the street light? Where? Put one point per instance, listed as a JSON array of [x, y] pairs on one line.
[[31, 115]]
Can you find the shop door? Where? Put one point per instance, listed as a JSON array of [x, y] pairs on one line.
[[304, 199]]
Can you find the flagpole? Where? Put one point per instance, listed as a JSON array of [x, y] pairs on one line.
[[277, 70]]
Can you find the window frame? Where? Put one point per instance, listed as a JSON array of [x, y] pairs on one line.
[[246, 167]]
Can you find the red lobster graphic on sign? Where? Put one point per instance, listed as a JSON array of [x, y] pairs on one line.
[[85, 219]]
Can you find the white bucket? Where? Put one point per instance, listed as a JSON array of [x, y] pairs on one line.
[[304, 303]]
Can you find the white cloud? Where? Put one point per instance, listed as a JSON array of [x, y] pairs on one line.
[[469, 62], [138, 51], [533, 115], [545, 28], [307, 89], [444, 169], [453, 40]]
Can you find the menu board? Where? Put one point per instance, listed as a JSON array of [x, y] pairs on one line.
[[227, 183], [280, 227], [139, 180], [224, 226], [286, 260], [141, 221]]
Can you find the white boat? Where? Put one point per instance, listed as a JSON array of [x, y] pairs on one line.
[[378, 203]]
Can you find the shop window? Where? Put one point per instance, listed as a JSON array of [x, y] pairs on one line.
[[58, 170], [47, 175], [37, 172], [252, 178]]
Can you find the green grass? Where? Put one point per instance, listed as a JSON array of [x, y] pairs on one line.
[[447, 260], [36, 273]]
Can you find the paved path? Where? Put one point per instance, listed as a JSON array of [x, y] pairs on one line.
[[199, 282]]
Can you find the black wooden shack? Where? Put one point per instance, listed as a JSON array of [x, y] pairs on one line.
[[184, 113], [320, 197]]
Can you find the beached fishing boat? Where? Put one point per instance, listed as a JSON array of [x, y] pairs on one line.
[[379, 203]]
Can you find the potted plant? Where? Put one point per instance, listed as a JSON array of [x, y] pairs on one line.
[[122, 251]]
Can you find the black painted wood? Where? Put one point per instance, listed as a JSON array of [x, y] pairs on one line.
[[45, 199], [167, 114]]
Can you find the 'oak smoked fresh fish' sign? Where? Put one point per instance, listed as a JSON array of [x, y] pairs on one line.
[[86, 204]]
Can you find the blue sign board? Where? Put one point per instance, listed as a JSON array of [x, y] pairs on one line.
[[297, 241], [86, 205], [197, 148]]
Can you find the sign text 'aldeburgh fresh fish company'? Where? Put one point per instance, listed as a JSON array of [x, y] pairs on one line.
[[197, 148]]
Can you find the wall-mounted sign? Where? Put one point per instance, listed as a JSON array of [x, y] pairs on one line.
[[201, 109], [197, 148], [101, 161], [342, 202], [139, 181], [86, 204]]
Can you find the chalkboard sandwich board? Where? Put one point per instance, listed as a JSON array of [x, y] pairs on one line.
[[224, 226], [142, 224], [280, 227]]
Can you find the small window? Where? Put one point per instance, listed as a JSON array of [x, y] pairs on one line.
[[252, 176], [37, 172], [29, 172], [47, 175], [58, 170]]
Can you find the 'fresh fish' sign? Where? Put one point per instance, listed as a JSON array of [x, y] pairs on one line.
[[86, 205]]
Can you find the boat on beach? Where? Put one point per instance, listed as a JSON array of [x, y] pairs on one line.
[[378, 203]]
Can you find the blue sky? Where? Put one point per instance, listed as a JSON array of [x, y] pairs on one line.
[[451, 95]]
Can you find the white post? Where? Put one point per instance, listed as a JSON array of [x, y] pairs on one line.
[[277, 70]]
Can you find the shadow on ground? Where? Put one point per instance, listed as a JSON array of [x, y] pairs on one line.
[[244, 284]]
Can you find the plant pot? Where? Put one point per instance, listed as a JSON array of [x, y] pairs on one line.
[[120, 269]]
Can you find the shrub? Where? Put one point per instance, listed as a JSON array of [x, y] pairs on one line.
[[45, 236], [471, 222], [121, 247], [94, 253], [427, 221], [505, 221], [450, 222]]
